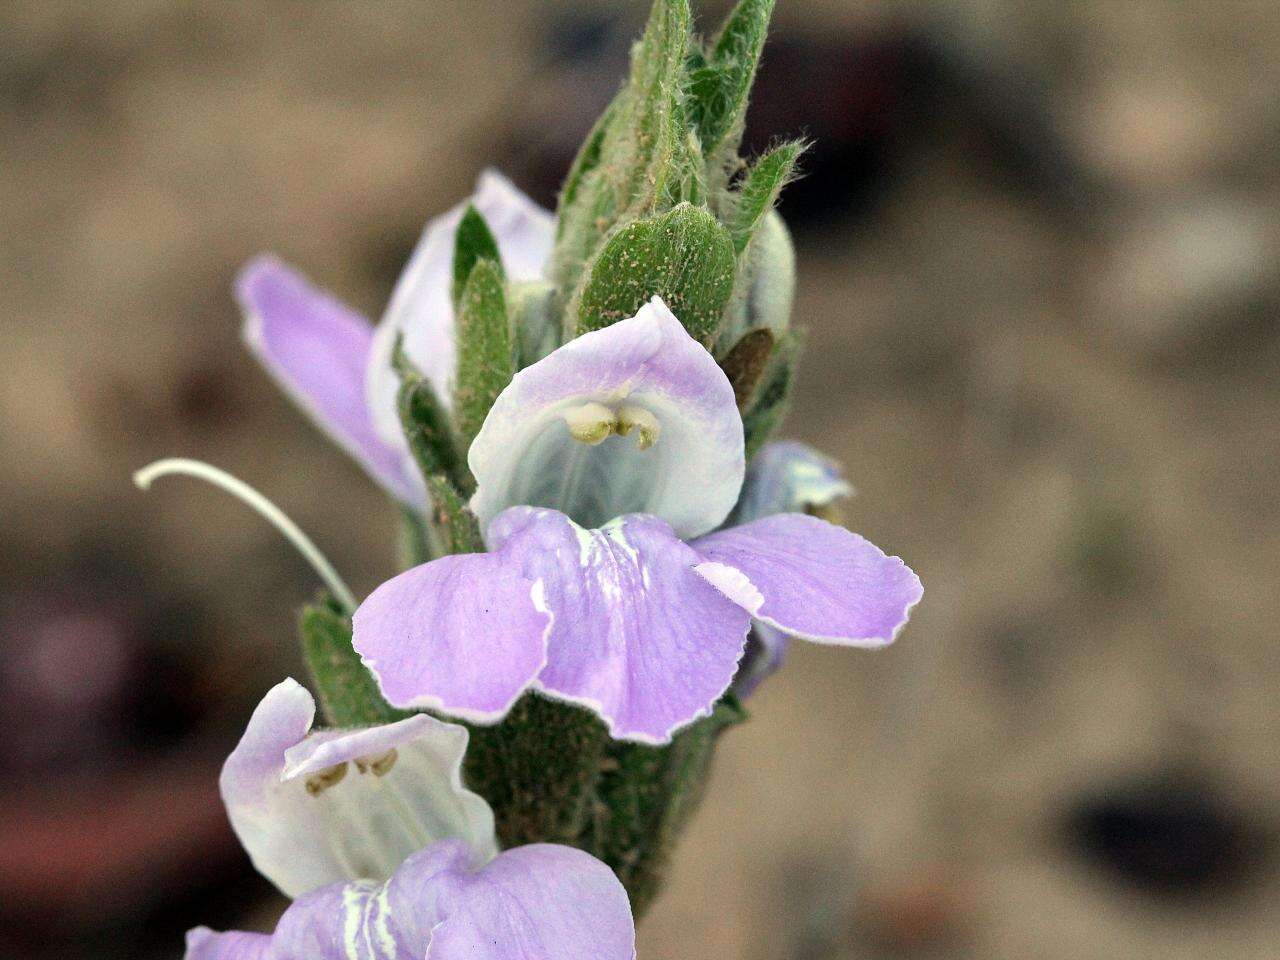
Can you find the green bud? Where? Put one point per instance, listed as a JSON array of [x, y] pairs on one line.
[[684, 256], [638, 158], [486, 358]]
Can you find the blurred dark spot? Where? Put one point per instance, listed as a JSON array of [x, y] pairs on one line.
[[578, 35], [869, 101], [1172, 840], [1107, 550], [204, 398]]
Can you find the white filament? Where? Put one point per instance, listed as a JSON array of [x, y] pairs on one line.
[[255, 501]]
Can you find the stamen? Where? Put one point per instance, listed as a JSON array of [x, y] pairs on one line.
[[318, 783], [255, 501], [638, 418], [378, 764], [591, 423]]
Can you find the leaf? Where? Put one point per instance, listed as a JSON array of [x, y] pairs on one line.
[[684, 256], [772, 395], [719, 89], [746, 361], [584, 164], [452, 521], [472, 243], [349, 694], [426, 425], [759, 191], [486, 360]]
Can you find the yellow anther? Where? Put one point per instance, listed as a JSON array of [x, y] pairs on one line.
[[591, 423], [317, 783], [645, 424], [378, 764]]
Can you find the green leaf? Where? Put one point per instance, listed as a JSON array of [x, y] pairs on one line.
[[772, 395], [454, 524], [486, 360], [349, 694], [684, 256], [760, 188], [719, 89], [645, 797], [472, 243], [427, 426]]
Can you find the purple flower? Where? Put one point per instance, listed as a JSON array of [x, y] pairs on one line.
[[784, 477], [589, 591], [337, 367], [540, 902], [390, 857], [312, 808]]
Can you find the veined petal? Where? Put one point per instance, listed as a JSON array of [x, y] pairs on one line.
[[812, 579], [788, 477], [462, 634], [317, 349], [538, 902], [313, 808], [421, 306], [559, 435], [637, 635]]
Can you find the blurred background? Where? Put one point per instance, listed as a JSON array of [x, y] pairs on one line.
[[1040, 267]]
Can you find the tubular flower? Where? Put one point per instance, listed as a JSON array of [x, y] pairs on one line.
[[337, 366], [603, 585], [390, 857]]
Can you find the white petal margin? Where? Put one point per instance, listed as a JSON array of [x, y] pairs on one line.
[[315, 808], [646, 370], [421, 306]]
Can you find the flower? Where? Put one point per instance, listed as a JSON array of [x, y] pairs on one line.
[[784, 477], [590, 592], [337, 367], [389, 856], [315, 807], [540, 902]]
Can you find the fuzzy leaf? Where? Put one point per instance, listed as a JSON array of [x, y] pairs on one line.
[[349, 695], [427, 427], [719, 88], [453, 523], [684, 256], [760, 189], [473, 242], [486, 360]]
